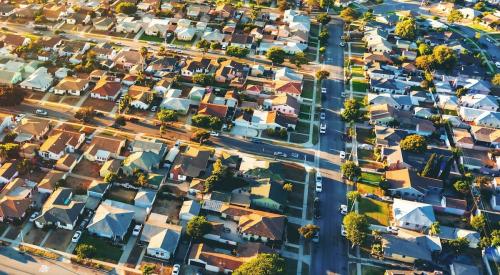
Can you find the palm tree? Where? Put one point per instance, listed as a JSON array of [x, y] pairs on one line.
[[435, 229]]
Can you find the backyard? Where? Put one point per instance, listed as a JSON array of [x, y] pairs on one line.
[[372, 178], [377, 212], [359, 85], [104, 250], [367, 188], [308, 89], [121, 194]]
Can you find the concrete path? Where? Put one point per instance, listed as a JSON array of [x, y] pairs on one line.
[[126, 251], [138, 35], [42, 243]]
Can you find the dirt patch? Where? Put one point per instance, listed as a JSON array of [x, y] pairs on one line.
[[35, 176], [121, 194], [35, 236], [87, 168], [78, 185], [34, 95], [168, 205], [71, 100], [99, 104], [59, 239], [54, 98]]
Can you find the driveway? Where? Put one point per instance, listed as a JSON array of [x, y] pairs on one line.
[[243, 131]]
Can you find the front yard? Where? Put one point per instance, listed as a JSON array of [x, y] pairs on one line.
[[377, 212], [59, 239], [371, 177], [308, 89], [359, 85], [104, 249], [151, 38]]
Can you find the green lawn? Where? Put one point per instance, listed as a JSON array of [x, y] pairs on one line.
[[365, 136], [367, 188], [303, 127], [314, 30], [372, 270], [377, 212], [479, 27], [357, 71], [358, 48], [298, 138], [305, 116], [359, 85], [182, 43], [365, 154], [105, 251], [308, 89], [152, 38], [371, 177], [304, 108], [450, 112], [315, 137]]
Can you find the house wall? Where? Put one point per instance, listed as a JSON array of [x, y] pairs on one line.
[[401, 258], [495, 204]]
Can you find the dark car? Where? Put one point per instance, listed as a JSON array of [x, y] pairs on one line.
[[317, 213]]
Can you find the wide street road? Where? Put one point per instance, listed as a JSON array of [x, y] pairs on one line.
[[330, 254], [12, 262]]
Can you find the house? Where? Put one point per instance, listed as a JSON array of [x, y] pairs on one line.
[[162, 238], [463, 138], [66, 163], [128, 24], [72, 86], [141, 97], [111, 222], [185, 34], [453, 233], [7, 9], [408, 246], [180, 105], [97, 189], [457, 268], [60, 210], [103, 23], [9, 78], [15, 200], [233, 72], [196, 94], [413, 215], [255, 225], [110, 166], [8, 172], [129, 58], [491, 21], [31, 129], [218, 261], [5, 121], [480, 101], [107, 88], [241, 40], [145, 199], [283, 103], [190, 164], [485, 135], [389, 86], [210, 109], [154, 146], [480, 117], [407, 184], [262, 120], [400, 102], [60, 143], [268, 195], [189, 210], [50, 181], [13, 41], [386, 137], [157, 27], [197, 66], [29, 150], [102, 148], [39, 80], [144, 161], [495, 201], [291, 88]]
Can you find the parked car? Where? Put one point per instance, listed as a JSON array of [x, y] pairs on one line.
[[315, 238], [76, 236], [342, 44], [322, 128], [40, 112], [256, 141], [319, 187], [20, 117], [392, 229], [214, 134], [137, 229], [323, 90], [34, 216], [322, 116], [317, 213], [280, 154], [343, 209], [176, 269], [342, 231], [295, 155], [342, 155], [316, 202], [154, 108]]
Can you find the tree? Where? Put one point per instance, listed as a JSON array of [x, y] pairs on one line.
[[276, 55], [85, 114], [203, 44], [12, 149], [377, 250], [462, 186], [461, 92], [320, 75], [444, 56], [265, 264], [352, 110], [288, 187], [323, 18], [356, 227], [197, 227], [496, 80], [166, 116], [200, 135], [203, 79], [207, 122], [495, 237], [124, 103], [406, 28], [3, 154], [24, 166], [237, 51], [142, 180], [458, 245], [478, 222], [414, 143], [282, 5], [85, 251], [308, 231], [349, 14], [299, 59], [435, 228], [350, 170], [426, 172], [11, 97], [455, 16], [120, 120], [424, 49], [353, 196], [368, 15], [479, 6], [111, 177], [126, 7], [323, 36], [215, 45], [148, 269]]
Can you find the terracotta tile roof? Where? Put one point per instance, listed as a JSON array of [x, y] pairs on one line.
[[58, 141], [408, 178], [13, 39], [105, 87], [50, 179], [217, 110], [8, 170], [33, 127], [105, 143], [288, 87]]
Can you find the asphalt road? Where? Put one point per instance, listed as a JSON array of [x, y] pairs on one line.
[[12, 262], [330, 254]]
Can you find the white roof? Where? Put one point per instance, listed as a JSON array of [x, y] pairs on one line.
[[413, 212], [39, 79]]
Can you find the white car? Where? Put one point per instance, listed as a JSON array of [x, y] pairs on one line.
[[322, 116], [176, 269], [280, 154], [497, 64], [214, 134], [322, 128], [342, 44], [342, 155], [343, 209], [319, 187], [343, 94], [20, 117], [154, 108], [323, 90], [315, 238], [392, 229], [34, 216], [76, 237], [137, 229], [342, 231], [41, 112]]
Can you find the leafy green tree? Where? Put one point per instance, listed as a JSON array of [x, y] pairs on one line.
[[323, 36], [462, 186], [435, 228], [479, 6], [496, 80], [377, 250], [299, 59], [426, 172], [321, 75], [406, 28], [323, 18], [197, 227], [215, 46], [142, 180], [352, 110], [85, 251], [167, 116], [349, 14], [126, 8], [308, 231], [353, 196], [350, 170], [288, 187], [12, 149], [454, 16], [203, 79], [478, 222], [11, 97], [263, 264], [444, 56], [120, 120], [282, 5], [424, 49], [200, 135], [414, 143], [206, 121], [203, 44], [85, 114], [368, 16], [276, 55], [237, 51], [356, 227], [111, 177], [148, 269], [24, 166], [495, 237], [458, 245]]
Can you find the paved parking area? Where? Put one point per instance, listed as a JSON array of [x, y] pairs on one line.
[[59, 239], [243, 131], [35, 236]]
